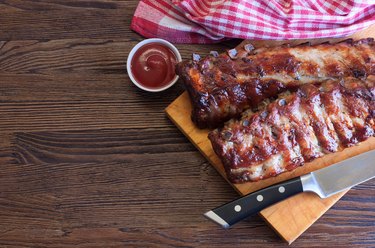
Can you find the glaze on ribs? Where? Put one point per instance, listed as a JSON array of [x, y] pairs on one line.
[[223, 86], [297, 127]]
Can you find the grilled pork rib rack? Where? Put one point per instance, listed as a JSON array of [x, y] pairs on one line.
[[222, 86], [296, 128]]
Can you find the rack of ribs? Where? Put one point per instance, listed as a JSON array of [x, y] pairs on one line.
[[222, 86], [298, 127]]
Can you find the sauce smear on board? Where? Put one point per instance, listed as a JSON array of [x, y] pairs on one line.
[[153, 65]]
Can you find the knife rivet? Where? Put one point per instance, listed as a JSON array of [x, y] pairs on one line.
[[237, 208], [259, 198], [281, 189]]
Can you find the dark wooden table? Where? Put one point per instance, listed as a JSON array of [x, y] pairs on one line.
[[89, 160]]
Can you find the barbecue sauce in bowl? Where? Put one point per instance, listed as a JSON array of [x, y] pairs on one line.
[[153, 65]]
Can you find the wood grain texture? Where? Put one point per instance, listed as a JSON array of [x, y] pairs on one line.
[[88, 160]]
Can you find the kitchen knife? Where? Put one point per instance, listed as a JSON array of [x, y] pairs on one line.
[[324, 182]]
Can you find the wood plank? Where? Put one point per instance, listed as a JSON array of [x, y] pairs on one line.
[[90, 202], [65, 19], [65, 56], [83, 196], [64, 85], [90, 146]]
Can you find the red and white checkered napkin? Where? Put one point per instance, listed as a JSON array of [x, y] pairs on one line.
[[207, 21]]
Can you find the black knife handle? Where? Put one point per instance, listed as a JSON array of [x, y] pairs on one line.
[[250, 204]]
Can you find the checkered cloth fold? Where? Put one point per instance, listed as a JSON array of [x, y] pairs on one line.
[[207, 21]]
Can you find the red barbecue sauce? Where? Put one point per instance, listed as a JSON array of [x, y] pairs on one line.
[[153, 65]]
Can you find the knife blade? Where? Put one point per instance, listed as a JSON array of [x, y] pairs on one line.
[[324, 182]]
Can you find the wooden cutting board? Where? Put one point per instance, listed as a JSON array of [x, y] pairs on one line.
[[289, 218]]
